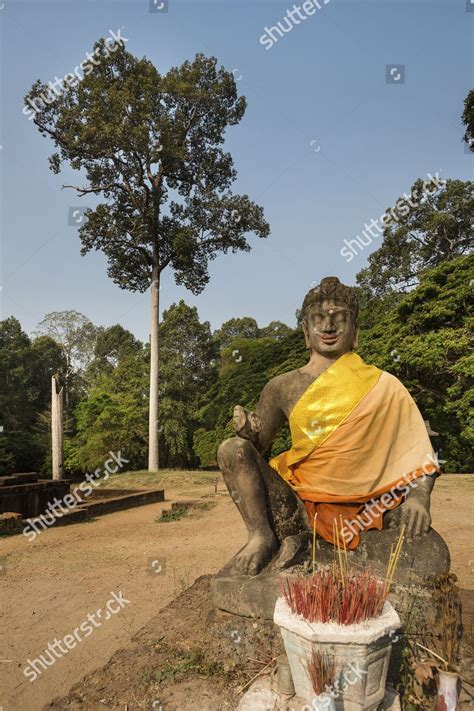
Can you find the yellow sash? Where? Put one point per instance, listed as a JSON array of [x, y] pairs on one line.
[[325, 404]]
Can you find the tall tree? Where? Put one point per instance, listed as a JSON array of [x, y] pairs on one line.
[[112, 345], [25, 393], [150, 145], [275, 329], [187, 351], [436, 229], [243, 327], [76, 335], [468, 120]]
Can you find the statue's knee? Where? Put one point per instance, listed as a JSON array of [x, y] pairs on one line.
[[233, 450]]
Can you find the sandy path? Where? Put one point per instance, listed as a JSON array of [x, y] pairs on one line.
[[51, 585]]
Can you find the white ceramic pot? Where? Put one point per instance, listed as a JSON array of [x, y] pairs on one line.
[[447, 699], [361, 654]]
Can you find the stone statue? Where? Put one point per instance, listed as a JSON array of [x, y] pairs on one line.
[[361, 460]]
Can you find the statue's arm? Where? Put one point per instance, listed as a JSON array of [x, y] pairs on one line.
[[261, 426], [422, 491], [270, 414]]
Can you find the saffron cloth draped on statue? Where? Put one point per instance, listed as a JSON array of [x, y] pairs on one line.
[[356, 434]]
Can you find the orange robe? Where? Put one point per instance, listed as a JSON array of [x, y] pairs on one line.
[[357, 437]]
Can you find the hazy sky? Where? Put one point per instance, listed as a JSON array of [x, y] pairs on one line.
[[326, 143]]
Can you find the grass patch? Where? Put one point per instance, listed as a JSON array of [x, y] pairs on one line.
[[172, 515], [181, 511], [165, 478], [184, 663]]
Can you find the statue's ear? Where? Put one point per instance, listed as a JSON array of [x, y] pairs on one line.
[[355, 341], [306, 337]]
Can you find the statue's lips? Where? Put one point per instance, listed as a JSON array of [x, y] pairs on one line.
[[329, 340]]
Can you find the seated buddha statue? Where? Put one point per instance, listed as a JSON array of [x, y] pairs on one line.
[[361, 466]]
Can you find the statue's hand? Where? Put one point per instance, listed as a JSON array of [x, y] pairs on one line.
[[415, 514], [246, 424]]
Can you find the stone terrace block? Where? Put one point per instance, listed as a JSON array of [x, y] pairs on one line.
[[28, 494]]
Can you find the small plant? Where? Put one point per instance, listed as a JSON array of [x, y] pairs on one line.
[[447, 634], [178, 512], [171, 515], [181, 664], [321, 671]]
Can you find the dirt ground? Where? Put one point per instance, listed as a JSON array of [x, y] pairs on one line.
[[48, 587]]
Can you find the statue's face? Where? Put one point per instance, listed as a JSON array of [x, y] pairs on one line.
[[330, 329]]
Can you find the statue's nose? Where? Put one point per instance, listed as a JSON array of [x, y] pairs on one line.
[[329, 326]]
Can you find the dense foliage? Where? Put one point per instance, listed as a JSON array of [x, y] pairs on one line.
[[423, 339]]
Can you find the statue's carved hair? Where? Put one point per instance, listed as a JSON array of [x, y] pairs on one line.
[[331, 288]]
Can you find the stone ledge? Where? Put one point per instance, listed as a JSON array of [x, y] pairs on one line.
[[86, 510]]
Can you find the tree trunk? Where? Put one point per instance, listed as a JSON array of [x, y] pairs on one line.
[[153, 459], [57, 429]]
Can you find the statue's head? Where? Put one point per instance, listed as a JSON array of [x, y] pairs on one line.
[[330, 318]]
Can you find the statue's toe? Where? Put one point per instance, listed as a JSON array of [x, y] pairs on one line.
[[293, 550]]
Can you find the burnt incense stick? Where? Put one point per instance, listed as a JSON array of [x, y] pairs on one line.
[[339, 554], [314, 542], [344, 544], [393, 560]]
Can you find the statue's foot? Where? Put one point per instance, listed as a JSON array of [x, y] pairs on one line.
[[293, 550], [253, 557]]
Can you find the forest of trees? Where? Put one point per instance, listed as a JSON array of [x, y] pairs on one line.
[[422, 336]]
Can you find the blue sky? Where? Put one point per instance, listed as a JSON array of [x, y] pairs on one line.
[[325, 145]]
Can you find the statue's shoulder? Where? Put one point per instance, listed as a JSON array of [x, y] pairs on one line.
[[281, 383], [394, 383]]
